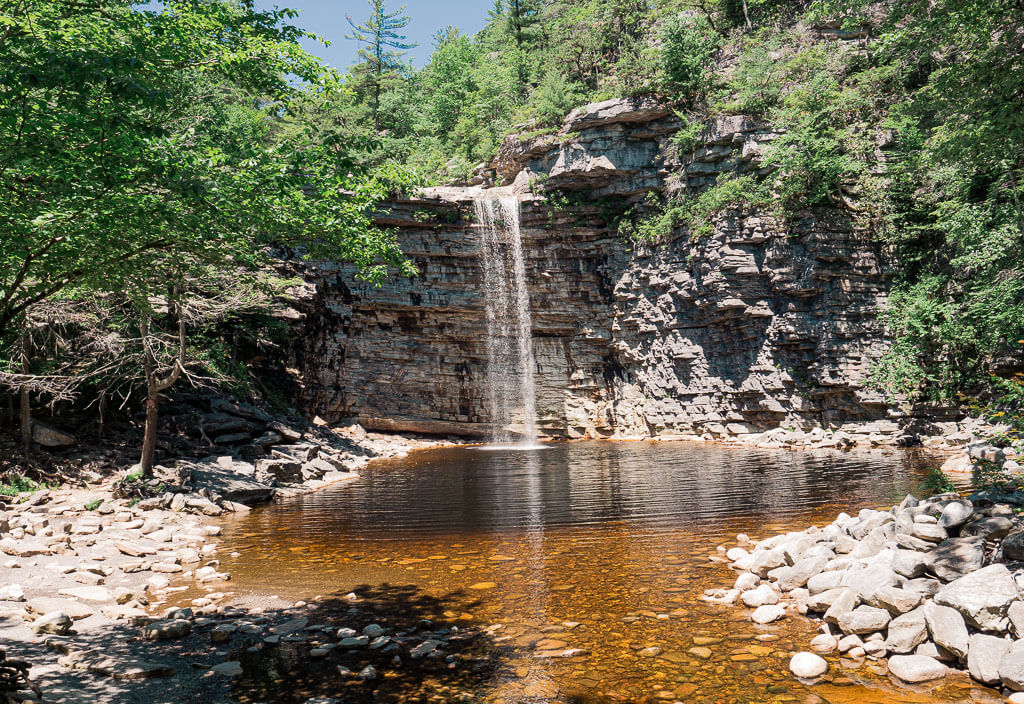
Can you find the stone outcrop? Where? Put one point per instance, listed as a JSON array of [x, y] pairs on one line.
[[761, 324]]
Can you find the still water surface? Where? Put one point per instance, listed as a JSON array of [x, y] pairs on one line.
[[598, 546]]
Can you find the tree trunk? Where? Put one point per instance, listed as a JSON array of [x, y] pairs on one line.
[[26, 401], [746, 15], [149, 434], [155, 386]]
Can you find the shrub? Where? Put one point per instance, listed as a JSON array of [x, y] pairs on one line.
[[687, 46]]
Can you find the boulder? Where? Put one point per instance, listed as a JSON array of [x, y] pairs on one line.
[[956, 557], [931, 532], [864, 619], [1013, 546], [821, 601], [1011, 667], [167, 629], [842, 604], [46, 604], [1015, 613], [616, 110], [824, 643], [956, 514], [991, 528], [907, 631], [825, 581], [947, 628], [760, 596], [764, 561], [868, 580], [984, 655], [909, 563], [898, 601], [56, 623], [916, 668], [48, 436], [746, 582], [982, 597], [808, 665], [768, 613], [790, 578], [279, 469]]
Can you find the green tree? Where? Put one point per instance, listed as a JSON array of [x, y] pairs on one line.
[[139, 153], [385, 46], [688, 44]]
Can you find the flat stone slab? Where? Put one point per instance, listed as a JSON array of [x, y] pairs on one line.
[[87, 593], [130, 669], [233, 486], [46, 604]]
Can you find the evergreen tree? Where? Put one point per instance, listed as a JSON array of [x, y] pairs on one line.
[[385, 46]]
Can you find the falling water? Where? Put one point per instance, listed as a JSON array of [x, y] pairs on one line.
[[509, 348]]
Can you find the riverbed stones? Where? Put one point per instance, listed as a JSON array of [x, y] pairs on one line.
[[982, 597], [808, 665], [916, 668], [984, 654]]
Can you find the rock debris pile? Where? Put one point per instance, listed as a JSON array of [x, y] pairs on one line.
[[928, 586]]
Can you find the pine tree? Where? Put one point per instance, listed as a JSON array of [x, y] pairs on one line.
[[385, 46]]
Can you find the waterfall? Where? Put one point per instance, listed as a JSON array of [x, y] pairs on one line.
[[509, 326]]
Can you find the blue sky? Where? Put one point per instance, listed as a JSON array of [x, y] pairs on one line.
[[326, 18]]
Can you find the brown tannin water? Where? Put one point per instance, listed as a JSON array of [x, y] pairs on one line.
[[585, 561]]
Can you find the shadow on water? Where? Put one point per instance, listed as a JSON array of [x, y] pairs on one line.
[[465, 660]]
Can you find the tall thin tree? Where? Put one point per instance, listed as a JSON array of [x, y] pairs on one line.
[[385, 46]]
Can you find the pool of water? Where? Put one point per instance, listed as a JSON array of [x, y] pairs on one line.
[[598, 546]]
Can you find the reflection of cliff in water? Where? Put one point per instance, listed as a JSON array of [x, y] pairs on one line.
[[655, 484]]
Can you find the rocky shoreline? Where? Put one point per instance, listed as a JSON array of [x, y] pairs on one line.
[[925, 588], [86, 577]]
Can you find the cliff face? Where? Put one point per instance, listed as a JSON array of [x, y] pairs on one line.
[[760, 324]]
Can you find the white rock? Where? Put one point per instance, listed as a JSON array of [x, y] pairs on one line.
[[916, 668], [768, 613], [808, 665]]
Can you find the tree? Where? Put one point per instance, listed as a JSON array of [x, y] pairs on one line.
[[380, 33], [140, 149]]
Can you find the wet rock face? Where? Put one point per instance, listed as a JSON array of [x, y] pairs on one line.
[[760, 324]]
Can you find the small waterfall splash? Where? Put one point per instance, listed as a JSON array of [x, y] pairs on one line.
[[509, 325]]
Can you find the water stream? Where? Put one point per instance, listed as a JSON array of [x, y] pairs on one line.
[[597, 546], [509, 326]]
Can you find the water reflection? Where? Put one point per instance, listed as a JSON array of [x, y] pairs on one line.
[[574, 484]]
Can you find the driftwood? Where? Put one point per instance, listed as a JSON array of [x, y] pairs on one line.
[[14, 678]]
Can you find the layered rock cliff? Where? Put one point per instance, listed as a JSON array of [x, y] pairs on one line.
[[761, 324]]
